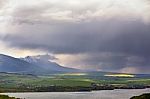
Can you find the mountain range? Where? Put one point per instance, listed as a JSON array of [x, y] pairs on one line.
[[31, 64]]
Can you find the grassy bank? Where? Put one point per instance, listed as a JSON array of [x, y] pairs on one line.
[[144, 96], [7, 97]]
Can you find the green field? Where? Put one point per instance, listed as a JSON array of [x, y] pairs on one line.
[[22, 82]]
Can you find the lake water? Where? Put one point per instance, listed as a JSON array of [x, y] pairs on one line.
[[104, 94]]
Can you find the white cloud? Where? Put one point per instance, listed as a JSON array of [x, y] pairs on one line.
[[43, 11]]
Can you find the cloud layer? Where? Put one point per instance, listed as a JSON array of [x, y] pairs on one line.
[[110, 35]]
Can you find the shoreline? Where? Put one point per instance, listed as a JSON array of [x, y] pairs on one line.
[[116, 93], [71, 91]]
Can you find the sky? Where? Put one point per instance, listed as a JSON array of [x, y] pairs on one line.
[[103, 35]]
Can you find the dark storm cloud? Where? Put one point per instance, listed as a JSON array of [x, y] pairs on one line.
[[126, 42], [109, 61], [103, 36], [112, 38]]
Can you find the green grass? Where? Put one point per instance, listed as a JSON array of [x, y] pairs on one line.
[[80, 79], [7, 97], [144, 96]]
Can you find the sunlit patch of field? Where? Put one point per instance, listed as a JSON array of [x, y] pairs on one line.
[[83, 79], [118, 84], [73, 74], [140, 80], [119, 75]]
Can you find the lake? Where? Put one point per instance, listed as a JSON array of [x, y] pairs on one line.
[[104, 94]]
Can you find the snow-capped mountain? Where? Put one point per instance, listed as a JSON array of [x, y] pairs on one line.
[[11, 64], [44, 61], [39, 64]]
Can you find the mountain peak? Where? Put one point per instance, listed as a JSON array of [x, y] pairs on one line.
[[11, 64], [3, 56], [31, 64], [45, 57]]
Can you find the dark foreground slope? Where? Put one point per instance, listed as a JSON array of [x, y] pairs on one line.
[[144, 96], [7, 97]]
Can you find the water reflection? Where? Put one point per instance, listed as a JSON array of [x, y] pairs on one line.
[[104, 94]]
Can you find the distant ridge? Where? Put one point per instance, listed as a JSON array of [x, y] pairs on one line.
[[15, 65], [41, 64], [44, 62], [31, 65]]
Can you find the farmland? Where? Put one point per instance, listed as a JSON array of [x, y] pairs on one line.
[[87, 81]]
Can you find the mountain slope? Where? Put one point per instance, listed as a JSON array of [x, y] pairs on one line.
[[44, 61], [31, 65], [11, 64]]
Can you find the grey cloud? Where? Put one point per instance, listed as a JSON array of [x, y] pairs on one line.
[[127, 42], [45, 57], [125, 38], [47, 12], [104, 36], [2, 3], [116, 62]]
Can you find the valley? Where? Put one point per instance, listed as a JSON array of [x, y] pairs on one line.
[[40, 74], [70, 82]]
